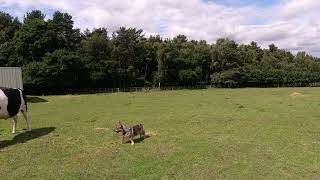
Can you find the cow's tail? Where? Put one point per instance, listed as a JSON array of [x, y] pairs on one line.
[[24, 98]]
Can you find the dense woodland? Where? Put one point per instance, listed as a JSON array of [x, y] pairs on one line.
[[55, 55]]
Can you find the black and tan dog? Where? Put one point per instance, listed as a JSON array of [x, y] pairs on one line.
[[130, 132]]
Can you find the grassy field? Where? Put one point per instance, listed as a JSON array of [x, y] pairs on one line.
[[194, 134]]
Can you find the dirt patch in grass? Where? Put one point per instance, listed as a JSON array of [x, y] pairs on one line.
[[163, 150], [296, 94], [102, 129], [151, 133]]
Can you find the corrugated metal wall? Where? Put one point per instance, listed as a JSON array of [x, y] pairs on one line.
[[11, 77]]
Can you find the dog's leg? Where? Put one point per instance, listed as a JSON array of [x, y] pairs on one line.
[[122, 139], [132, 143], [143, 133]]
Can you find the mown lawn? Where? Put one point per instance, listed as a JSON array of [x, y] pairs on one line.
[[194, 134]]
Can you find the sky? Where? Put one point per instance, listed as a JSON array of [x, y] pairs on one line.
[[290, 24]]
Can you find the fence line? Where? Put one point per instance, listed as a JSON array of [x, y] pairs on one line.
[[131, 89], [163, 88]]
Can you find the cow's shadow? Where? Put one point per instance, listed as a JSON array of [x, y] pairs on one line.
[[34, 99], [26, 136]]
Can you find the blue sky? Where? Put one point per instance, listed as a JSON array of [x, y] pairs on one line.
[[290, 24], [19, 12]]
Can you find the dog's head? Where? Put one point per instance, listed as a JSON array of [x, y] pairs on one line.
[[119, 128]]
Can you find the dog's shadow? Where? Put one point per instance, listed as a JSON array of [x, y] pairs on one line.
[[139, 140], [27, 136]]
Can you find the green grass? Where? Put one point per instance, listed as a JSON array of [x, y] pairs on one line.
[[195, 134]]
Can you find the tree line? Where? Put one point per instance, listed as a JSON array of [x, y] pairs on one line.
[[54, 55]]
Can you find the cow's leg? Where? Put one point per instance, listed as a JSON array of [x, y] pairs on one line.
[[14, 127], [26, 117]]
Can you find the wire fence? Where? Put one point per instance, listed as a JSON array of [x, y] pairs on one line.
[[44, 91], [132, 89], [163, 88]]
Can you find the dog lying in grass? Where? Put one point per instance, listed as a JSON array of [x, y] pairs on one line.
[[130, 132]]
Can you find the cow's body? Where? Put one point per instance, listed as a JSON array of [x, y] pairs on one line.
[[13, 101]]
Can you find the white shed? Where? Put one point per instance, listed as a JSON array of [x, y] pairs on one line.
[[11, 77]]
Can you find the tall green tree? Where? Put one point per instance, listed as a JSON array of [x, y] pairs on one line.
[[33, 40], [128, 52], [65, 69], [149, 61], [96, 56], [65, 35], [8, 27], [226, 62], [35, 14]]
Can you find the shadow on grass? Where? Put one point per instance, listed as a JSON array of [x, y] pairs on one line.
[[139, 140], [35, 100], [26, 136]]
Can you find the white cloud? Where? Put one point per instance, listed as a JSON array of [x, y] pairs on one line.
[[290, 9], [292, 24]]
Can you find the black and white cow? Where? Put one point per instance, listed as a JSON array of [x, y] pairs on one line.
[[13, 101]]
